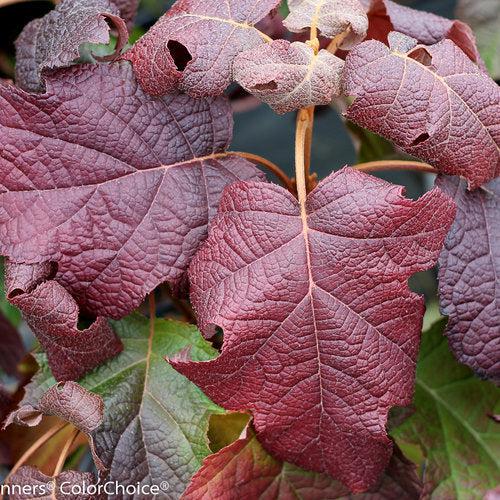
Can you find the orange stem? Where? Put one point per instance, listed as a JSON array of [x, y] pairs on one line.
[[375, 166], [64, 453]]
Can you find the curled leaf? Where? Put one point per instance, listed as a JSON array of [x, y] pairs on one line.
[[289, 76], [427, 28], [52, 314], [121, 215], [54, 40], [331, 17], [320, 328], [175, 52], [436, 105], [469, 271]]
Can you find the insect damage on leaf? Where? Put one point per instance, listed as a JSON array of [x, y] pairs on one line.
[[385, 16], [289, 76], [175, 52], [436, 105], [114, 185], [54, 40], [469, 267], [331, 17], [52, 314], [317, 316]]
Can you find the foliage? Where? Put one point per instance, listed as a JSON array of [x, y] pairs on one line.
[[117, 183]]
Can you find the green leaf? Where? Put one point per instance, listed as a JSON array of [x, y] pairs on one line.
[[156, 421], [9, 311], [451, 426]]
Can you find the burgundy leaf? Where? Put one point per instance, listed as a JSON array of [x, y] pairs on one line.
[[127, 9], [12, 348], [52, 314], [193, 46], [272, 25], [246, 470], [54, 40], [431, 101], [331, 17], [321, 331], [289, 76], [469, 276], [113, 184], [386, 16], [28, 483]]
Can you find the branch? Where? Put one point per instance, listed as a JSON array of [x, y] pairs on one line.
[[375, 166]]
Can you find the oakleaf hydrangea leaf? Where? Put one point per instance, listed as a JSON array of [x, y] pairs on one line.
[[246, 470], [289, 76], [128, 9], [54, 40], [331, 17], [155, 420], [386, 16], [469, 273], [193, 46], [114, 185], [12, 349], [52, 315], [321, 331], [436, 105], [450, 425]]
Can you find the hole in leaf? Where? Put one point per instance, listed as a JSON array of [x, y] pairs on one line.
[[422, 56], [180, 54], [420, 139], [272, 85]]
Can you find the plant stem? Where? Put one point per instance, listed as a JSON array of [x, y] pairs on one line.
[[285, 180], [35, 446], [301, 132], [152, 313], [336, 42], [374, 166], [64, 453]]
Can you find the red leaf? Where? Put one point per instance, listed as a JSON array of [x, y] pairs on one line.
[[246, 470], [12, 349], [52, 314], [114, 185], [321, 331], [54, 40], [385, 16], [431, 101], [468, 276], [175, 52], [289, 76]]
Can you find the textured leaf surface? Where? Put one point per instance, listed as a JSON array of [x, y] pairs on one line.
[[212, 32], [52, 315], [114, 185], [42, 487], [244, 469], [331, 17], [484, 18], [320, 329], [386, 16], [289, 76], [54, 40], [155, 420], [460, 443], [436, 105], [469, 276]]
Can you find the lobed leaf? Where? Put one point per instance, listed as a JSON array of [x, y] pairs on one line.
[[331, 17], [459, 442], [54, 40], [320, 329], [155, 420], [246, 470], [433, 102], [176, 53], [52, 315], [289, 76], [115, 186], [469, 266], [385, 16]]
